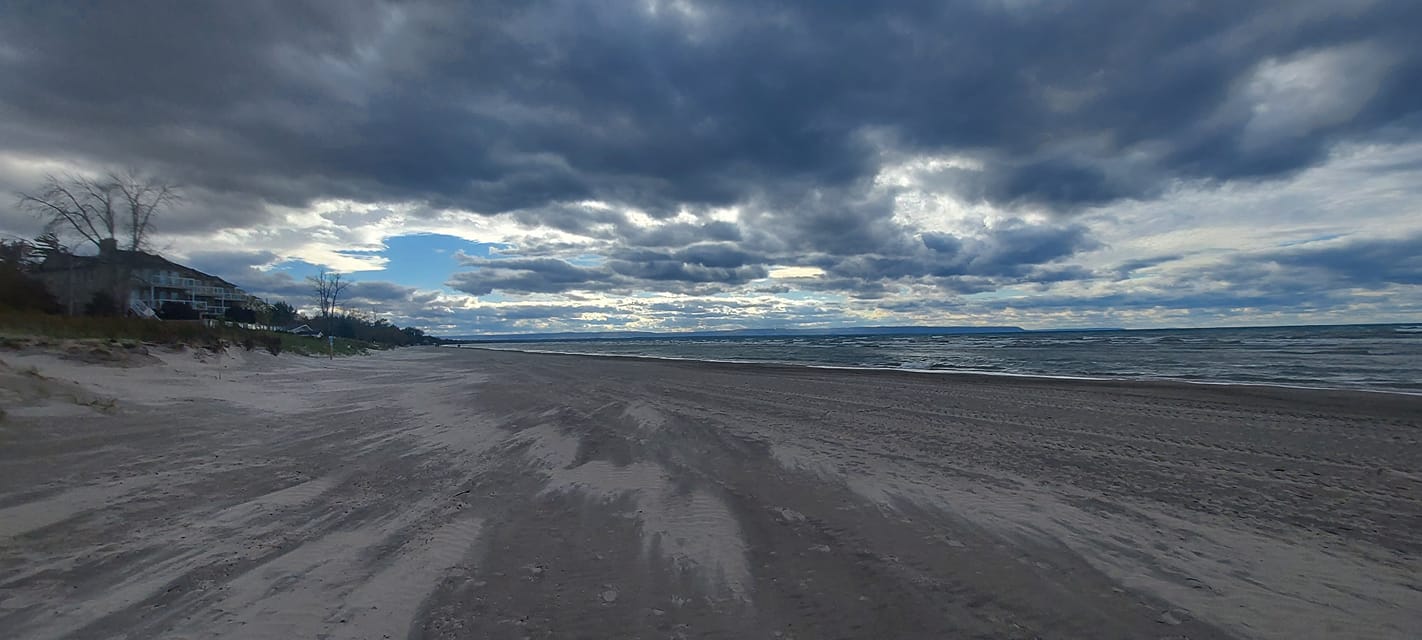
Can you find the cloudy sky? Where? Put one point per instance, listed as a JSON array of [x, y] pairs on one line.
[[669, 164]]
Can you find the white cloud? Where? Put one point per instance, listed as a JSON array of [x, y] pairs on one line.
[[796, 272], [1295, 96]]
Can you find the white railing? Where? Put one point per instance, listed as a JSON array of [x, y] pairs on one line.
[[192, 287], [168, 281], [141, 308]]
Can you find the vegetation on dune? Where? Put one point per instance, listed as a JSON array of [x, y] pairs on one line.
[[19, 291], [16, 327]]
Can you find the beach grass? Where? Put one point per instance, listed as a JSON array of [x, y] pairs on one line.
[[31, 326]]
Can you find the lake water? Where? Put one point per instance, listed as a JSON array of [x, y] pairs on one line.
[[1376, 357]]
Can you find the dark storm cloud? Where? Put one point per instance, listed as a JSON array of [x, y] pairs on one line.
[[1008, 252], [1015, 244], [503, 106], [1011, 251], [707, 262], [1312, 276], [1125, 269], [241, 268], [836, 221], [680, 234], [858, 288], [658, 270], [378, 291], [701, 269], [528, 275], [1369, 263], [227, 262], [572, 219], [784, 111]]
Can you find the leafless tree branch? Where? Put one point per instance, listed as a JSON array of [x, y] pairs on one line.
[[326, 289], [142, 198], [100, 209]]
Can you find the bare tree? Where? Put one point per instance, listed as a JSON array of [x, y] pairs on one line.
[[116, 209], [141, 198], [120, 205], [326, 288]]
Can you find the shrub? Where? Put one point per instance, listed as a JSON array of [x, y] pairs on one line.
[[172, 310], [240, 314], [21, 292], [102, 305]]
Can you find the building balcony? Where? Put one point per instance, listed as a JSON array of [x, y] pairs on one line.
[[166, 281]]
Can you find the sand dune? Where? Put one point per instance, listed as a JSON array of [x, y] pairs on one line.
[[443, 493]]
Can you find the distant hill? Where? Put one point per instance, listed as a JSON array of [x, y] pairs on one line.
[[735, 333]]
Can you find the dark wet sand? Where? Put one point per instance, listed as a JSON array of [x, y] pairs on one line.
[[478, 494]]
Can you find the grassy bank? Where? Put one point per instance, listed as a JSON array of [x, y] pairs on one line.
[[187, 333]]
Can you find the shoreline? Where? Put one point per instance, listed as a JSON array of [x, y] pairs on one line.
[[957, 372]]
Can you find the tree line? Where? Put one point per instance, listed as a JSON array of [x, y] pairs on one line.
[[20, 291], [119, 210]]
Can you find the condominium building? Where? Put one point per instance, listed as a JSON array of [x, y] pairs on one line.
[[153, 280]]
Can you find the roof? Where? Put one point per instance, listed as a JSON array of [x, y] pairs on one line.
[[136, 259]]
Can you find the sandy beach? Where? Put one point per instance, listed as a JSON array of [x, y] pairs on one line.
[[461, 493]]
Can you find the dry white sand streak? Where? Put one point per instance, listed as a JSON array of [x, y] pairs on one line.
[[445, 493]]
